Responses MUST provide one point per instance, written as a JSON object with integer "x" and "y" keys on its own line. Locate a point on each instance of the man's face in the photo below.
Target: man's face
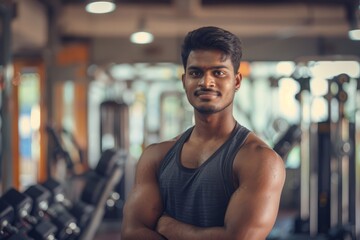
{"x": 209, "y": 81}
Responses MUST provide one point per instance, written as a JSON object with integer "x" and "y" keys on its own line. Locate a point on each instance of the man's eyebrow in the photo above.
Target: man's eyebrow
{"x": 219, "y": 66}
{"x": 193, "y": 68}
{"x": 212, "y": 67}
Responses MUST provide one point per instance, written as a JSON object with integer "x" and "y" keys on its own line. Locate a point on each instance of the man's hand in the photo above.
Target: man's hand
{"x": 163, "y": 224}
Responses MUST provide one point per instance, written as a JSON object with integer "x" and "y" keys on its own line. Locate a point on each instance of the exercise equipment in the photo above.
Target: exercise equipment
{"x": 46, "y": 224}
{"x": 114, "y": 134}
{"x": 302, "y": 221}
{"x": 100, "y": 185}
{"x": 7, "y": 217}
{"x": 108, "y": 161}
{"x": 45, "y": 230}
{"x": 333, "y": 155}
{"x": 80, "y": 210}
{"x": 329, "y": 203}
{"x": 40, "y": 197}
{"x": 44, "y": 212}
{"x": 97, "y": 192}
{"x": 114, "y": 122}
{"x": 24, "y": 225}
{"x": 355, "y": 178}
{"x": 288, "y": 140}
{"x": 22, "y": 205}
{"x": 19, "y": 236}
{"x": 327, "y": 165}
{"x": 76, "y": 146}
{"x": 65, "y": 223}
{"x": 59, "y": 155}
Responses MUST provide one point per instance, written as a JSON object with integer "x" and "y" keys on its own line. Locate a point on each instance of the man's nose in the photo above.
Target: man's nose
{"x": 207, "y": 81}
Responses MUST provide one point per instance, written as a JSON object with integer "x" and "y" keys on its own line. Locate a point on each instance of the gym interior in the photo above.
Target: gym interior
{"x": 80, "y": 101}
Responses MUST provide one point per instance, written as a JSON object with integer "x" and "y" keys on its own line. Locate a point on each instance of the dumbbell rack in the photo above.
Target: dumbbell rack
{"x": 44, "y": 212}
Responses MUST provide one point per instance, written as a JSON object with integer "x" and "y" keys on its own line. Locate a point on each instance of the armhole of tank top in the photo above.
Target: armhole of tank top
{"x": 180, "y": 141}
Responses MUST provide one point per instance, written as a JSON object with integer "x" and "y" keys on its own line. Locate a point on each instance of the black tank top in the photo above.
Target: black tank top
{"x": 199, "y": 196}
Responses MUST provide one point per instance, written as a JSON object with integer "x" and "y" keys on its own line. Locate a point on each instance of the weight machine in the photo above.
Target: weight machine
{"x": 330, "y": 185}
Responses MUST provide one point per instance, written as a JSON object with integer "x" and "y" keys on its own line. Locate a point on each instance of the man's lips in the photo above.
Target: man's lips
{"x": 206, "y": 92}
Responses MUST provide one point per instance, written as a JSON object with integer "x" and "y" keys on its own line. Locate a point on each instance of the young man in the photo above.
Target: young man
{"x": 217, "y": 180}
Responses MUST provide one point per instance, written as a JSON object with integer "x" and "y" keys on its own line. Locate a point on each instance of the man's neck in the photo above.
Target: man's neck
{"x": 212, "y": 127}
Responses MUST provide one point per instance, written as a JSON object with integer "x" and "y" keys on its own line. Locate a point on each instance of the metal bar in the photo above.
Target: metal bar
{"x": 357, "y": 163}
{"x": 6, "y": 176}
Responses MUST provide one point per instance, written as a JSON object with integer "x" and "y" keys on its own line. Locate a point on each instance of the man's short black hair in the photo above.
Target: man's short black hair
{"x": 213, "y": 38}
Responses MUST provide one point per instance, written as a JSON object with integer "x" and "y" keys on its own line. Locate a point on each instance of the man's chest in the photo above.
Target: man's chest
{"x": 194, "y": 155}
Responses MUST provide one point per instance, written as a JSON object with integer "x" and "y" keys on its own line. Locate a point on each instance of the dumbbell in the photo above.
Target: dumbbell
{"x": 18, "y": 236}
{"x": 80, "y": 210}
{"x": 40, "y": 197}
{"x": 43, "y": 230}
{"x": 65, "y": 223}
{"x": 20, "y": 205}
{"x": 6, "y": 219}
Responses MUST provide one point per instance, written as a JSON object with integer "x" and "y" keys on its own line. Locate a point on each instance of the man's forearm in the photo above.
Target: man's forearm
{"x": 176, "y": 230}
{"x": 141, "y": 233}
{"x": 173, "y": 229}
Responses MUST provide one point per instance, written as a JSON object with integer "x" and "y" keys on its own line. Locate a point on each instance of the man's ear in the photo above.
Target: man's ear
{"x": 183, "y": 80}
{"x": 238, "y": 79}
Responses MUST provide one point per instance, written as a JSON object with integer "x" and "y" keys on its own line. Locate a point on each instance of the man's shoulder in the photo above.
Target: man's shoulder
{"x": 161, "y": 147}
{"x": 157, "y": 151}
{"x": 257, "y": 160}
{"x": 256, "y": 152}
{"x": 255, "y": 145}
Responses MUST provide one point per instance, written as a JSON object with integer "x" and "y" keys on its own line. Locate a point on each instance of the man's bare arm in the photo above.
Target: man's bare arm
{"x": 253, "y": 208}
{"x": 144, "y": 206}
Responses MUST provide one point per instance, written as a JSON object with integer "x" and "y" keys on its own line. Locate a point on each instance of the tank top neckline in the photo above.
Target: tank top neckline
{"x": 186, "y": 136}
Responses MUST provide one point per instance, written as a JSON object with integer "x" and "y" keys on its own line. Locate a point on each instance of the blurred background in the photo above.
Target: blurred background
{"x": 85, "y": 88}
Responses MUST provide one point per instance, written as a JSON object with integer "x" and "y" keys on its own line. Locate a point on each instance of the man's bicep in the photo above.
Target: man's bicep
{"x": 250, "y": 211}
{"x": 144, "y": 206}
{"x": 253, "y": 208}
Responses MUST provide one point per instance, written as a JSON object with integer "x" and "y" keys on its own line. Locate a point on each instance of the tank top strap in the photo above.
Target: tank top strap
{"x": 237, "y": 141}
{"x": 172, "y": 152}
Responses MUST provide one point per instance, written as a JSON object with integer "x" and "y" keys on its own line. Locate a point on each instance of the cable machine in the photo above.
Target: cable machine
{"x": 329, "y": 204}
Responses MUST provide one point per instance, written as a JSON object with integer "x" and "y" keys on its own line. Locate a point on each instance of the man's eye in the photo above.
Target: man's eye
{"x": 219, "y": 73}
{"x": 195, "y": 74}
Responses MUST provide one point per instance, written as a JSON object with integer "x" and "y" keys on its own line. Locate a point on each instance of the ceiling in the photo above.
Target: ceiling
{"x": 176, "y": 17}
{"x": 213, "y": 2}
{"x": 170, "y": 20}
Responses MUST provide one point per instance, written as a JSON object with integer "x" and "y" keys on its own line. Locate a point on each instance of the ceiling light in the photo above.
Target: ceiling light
{"x": 353, "y": 18}
{"x": 99, "y": 7}
{"x": 354, "y": 34}
{"x": 141, "y": 36}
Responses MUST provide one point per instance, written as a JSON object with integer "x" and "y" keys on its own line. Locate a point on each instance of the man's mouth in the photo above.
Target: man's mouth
{"x": 206, "y": 92}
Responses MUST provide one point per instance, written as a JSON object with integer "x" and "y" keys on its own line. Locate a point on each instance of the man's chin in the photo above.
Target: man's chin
{"x": 207, "y": 110}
